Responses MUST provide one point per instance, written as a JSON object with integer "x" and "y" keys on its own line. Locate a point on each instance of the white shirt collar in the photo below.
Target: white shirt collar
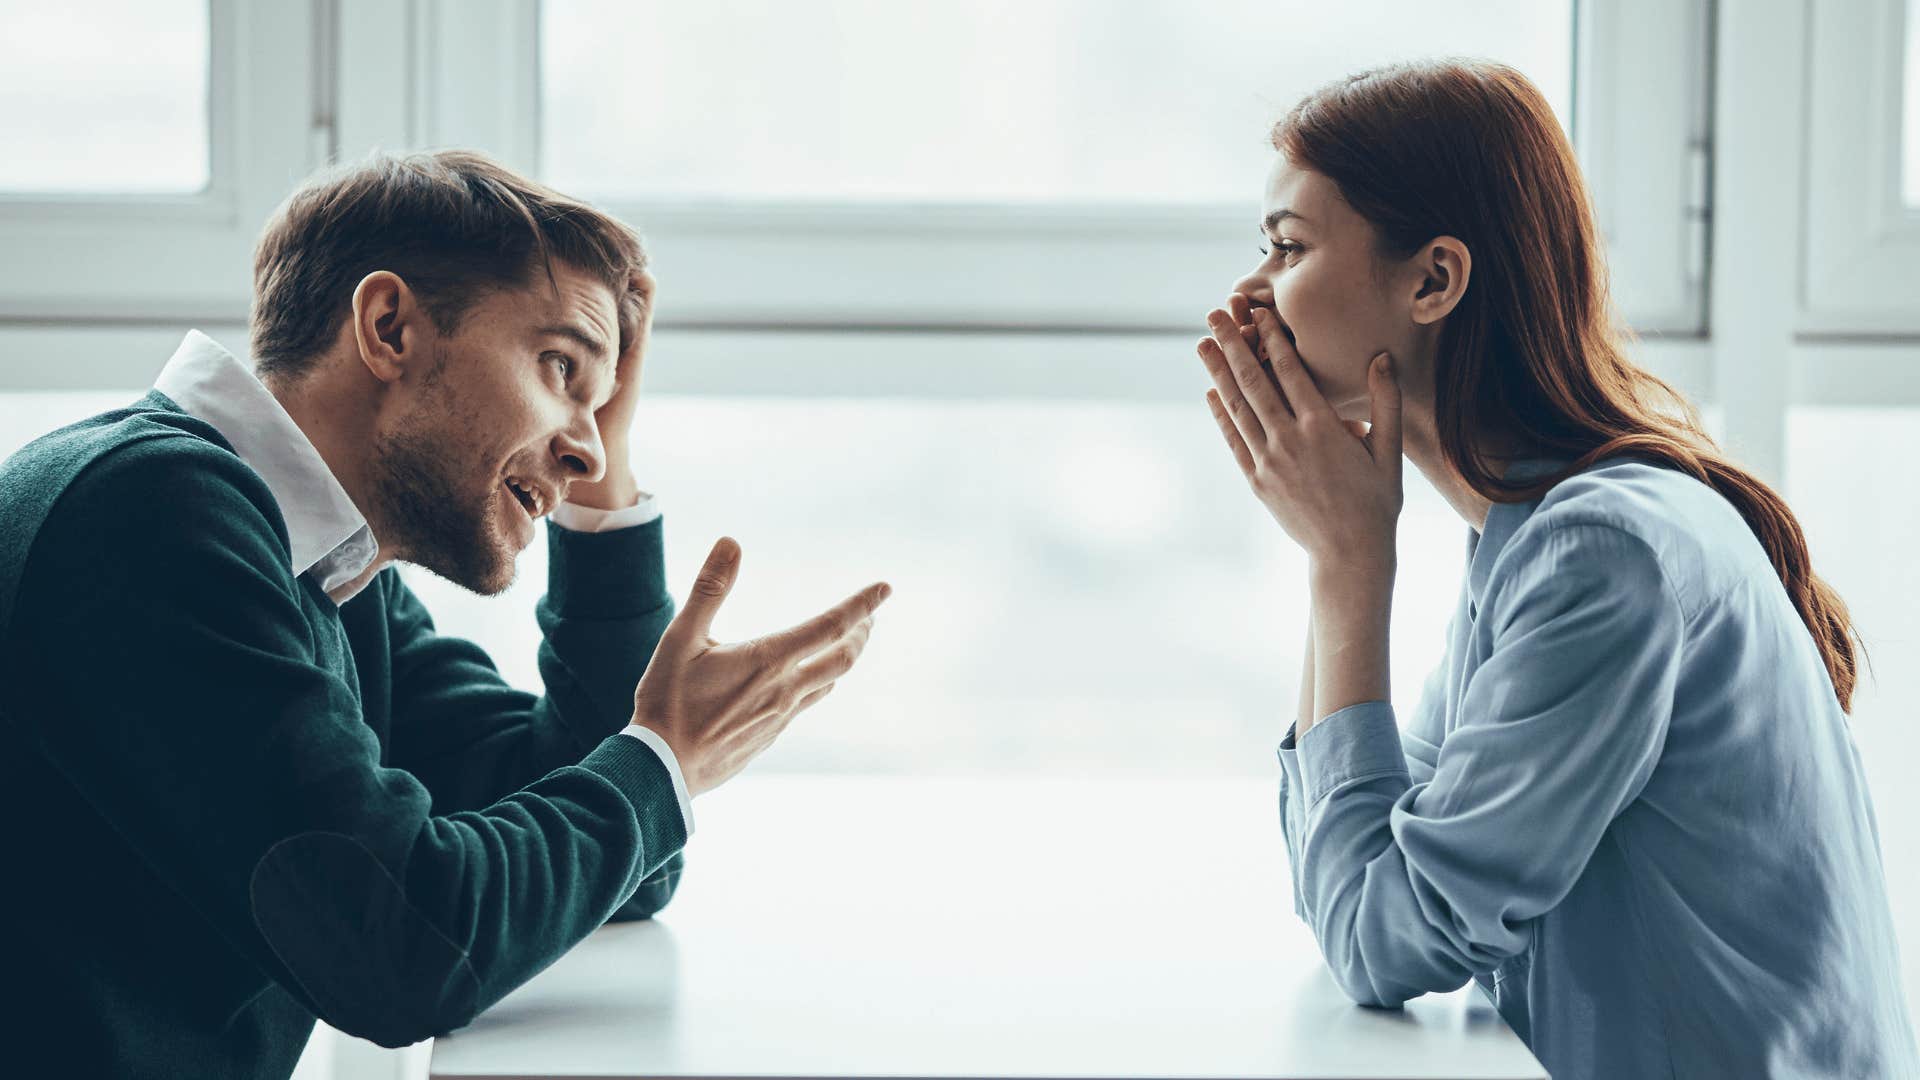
{"x": 329, "y": 535}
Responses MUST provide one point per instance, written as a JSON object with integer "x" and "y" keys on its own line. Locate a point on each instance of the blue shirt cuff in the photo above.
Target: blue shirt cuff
{"x": 1357, "y": 743}
{"x": 1291, "y": 786}
{"x": 1293, "y": 817}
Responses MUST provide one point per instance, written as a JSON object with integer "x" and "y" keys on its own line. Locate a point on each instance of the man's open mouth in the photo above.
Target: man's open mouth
{"x": 531, "y": 498}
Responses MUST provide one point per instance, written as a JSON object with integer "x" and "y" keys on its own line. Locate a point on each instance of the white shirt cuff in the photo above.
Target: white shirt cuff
{"x": 659, "y": 746}
{"x": 591, "y": 519}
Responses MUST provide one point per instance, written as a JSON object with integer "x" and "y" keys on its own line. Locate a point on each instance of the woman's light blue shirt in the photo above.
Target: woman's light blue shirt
{"x": 1629, "y": 806}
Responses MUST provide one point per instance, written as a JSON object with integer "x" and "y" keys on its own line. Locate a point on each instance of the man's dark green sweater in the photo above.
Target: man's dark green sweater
{"x": 237, "y": 807}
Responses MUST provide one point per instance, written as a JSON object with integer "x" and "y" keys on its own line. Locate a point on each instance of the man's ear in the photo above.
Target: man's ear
{"x": 390, "y": 328}
{"x": 1441, "y": 267}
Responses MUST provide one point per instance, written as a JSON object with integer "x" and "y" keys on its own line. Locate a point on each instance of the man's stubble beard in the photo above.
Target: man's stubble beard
{"x": 428, "y": 518}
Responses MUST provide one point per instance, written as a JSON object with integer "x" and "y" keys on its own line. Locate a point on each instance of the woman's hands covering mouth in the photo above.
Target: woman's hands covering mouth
{"x": 1333, "y": 485}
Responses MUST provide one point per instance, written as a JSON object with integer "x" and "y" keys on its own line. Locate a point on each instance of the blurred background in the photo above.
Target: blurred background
{"x": 930, "y": 278}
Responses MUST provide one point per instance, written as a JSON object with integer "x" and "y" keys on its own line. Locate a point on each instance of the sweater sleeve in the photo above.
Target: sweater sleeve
{"x": 1414, "y": 886}
{"x": 182, "y": 684}
{"x": 468, "y": 735}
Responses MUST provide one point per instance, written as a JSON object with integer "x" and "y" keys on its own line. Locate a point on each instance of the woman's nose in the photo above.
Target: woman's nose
{"x": 1256, "y": 289}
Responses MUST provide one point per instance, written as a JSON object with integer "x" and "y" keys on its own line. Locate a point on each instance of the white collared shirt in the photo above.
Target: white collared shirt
{"x": 328, "y": 534}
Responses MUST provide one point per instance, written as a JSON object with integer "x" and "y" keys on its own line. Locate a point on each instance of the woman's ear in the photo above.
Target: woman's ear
{"x": 1441, "y": 267}
{"x": 389, "y": 326}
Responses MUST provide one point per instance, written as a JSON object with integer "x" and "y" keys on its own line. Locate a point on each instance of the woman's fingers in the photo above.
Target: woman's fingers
{"x": 1251, "y": 382}
{"x": 1241, "y": 308}
{"x": 1304, "y": 397}
{"x": 1234, "y": 442}
{"x": 1383, "y": 387}
{"x": 1227, "y": 389}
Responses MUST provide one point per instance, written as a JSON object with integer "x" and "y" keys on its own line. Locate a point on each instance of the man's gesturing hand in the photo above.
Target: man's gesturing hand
{"x": 719, "y": 705}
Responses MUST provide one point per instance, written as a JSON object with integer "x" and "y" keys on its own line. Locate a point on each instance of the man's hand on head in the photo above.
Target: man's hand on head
{"x": 618, "y": 489}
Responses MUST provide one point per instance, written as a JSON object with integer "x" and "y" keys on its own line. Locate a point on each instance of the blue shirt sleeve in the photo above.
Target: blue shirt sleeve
{"x": 1421, "y": 740}
{"x": 1412, "y": 886}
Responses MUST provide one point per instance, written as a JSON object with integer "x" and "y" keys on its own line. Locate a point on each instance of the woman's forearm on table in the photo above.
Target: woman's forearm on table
{"x": 1352, "y": 608}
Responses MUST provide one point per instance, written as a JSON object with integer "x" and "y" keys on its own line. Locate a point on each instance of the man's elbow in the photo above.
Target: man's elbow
{"x": 652, "y": 894}
{"x": 388, "y": 1031}
{"x": 404, "y": 1011}
{"x": 361, "y": 955}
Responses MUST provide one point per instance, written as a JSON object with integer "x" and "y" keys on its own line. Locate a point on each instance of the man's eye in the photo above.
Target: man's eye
{"x": 563, "y": 362}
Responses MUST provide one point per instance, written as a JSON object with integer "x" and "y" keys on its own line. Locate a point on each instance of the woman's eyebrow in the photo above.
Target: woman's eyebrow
{"x": 1275, "y": 217}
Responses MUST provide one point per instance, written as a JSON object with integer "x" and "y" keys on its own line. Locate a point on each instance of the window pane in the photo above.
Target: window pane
{"x": 104, "y": 96}
{"x": 1912, "y": 135}
{"x": 996, "y": 100}
{"x": 1079, "y": 587}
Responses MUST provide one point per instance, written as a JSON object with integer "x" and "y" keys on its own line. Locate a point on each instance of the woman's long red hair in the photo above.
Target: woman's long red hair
{"x": 1471, "y": 149}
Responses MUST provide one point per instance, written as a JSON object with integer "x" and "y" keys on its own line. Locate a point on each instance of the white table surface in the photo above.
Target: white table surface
{"x": 916, "y": 927}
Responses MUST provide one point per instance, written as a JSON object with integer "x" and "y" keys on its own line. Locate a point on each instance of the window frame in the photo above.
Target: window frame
{"x": 1862, "y": 241}
{"x": 295, "y": 85}
{"x": 1643, "y": 129}
{"x": 179, "y": 257}
{"x": 1105, "y": 268}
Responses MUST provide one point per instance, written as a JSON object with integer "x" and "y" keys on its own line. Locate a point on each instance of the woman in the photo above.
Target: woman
{"x": 1628, "y": 804}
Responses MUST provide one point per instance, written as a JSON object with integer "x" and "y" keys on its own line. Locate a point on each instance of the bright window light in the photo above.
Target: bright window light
{"x": 1080, "y": 587}
{"x": 104, "y": 97}
{"x": 989, "y": 101}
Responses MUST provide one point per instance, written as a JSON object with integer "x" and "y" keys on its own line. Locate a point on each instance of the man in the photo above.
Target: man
{"x": 251, "y": 786}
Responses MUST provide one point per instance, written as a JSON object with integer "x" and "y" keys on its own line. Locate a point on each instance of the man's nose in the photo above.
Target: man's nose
{"x": 580, "y": 452}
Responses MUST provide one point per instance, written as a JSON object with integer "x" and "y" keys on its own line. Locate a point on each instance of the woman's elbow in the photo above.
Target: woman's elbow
{"x": 1366, "y": 979}
{"x": 1362, "y": 989}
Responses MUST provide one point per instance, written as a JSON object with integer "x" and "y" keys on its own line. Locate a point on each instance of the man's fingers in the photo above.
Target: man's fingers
{"x": 811, "y": 698}
{"x": 829, "y": 626}
{"x": 829, "y": 665}
{"x": 714, "y": 582}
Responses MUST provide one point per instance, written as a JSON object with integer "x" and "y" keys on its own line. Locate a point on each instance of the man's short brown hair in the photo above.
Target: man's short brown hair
{"x": 453, "y": 225}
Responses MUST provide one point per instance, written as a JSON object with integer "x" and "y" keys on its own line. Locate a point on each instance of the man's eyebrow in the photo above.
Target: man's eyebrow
{"x": 1278, "y": 216}
{"x": 595, "y": 346}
